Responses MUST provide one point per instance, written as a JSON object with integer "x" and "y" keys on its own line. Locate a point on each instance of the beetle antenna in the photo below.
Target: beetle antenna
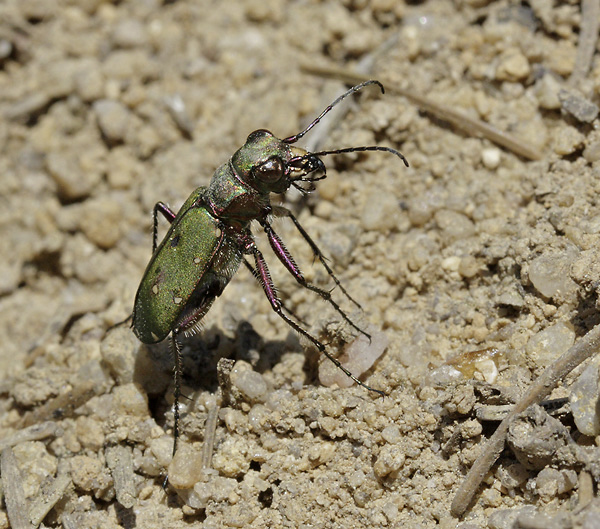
{"x": 361, "y": 149}
{"x": 296, "y": 137}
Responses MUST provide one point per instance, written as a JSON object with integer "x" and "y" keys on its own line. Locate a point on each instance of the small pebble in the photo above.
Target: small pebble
{"x": 584, "y": 398}
{"x": 249, "y": 383}
{"x": 130, "y": 400}
{"x": 567, "y": 140}
{"x": 381, "y": 211}
{"x": 547, "y": 345}
{"x": 118, "y": 349}
{"x": 113, "y": 119}
{"x": 129, "y": 33}
{"x": 73, "y": 183}
{"x": 390, "y": 459}
{"x": 358, "y": 357}
{"x": 549, "y": 273}
{"x": 455, "y": 226}
{"x": 162, "y": 449}
{"x": 513, "y": 66}
{"x": 546, "y": 91}
{"x": 89, "y": 82}
{"x": 185, "y": 469}
{"x": 6, "y": 48}
{"x": 391, "y": 434}
{"x": 217, "y": 489}
{"x": 100, "y": 221}
{"x": 580, "y": 108}
{"x": 491, "y": 158}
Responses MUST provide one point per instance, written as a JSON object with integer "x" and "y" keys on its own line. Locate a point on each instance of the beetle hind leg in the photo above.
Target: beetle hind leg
{"x": 263, "y": 275}
{"x": 177, "y": 374}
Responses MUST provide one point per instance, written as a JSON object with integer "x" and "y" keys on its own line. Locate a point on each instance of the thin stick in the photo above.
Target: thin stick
{"x": 17, "y": 506}
{"x": 588, "y": 36}
{"x": 586, "y": 347}
{"x": 49, "y": 497}
{"x": 210, "y": 429}
{"x": 471, "y": 126}
{"x": 62, "y": 406}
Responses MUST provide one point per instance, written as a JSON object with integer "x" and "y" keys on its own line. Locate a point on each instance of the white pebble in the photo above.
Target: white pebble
{"x": 491, "y": 158}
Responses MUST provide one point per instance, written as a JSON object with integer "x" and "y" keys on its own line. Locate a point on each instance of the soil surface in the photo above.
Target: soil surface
{"x": 478, "y": 265}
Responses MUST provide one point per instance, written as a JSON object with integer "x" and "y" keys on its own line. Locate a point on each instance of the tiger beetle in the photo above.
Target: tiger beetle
{"x": 210, "y": 237}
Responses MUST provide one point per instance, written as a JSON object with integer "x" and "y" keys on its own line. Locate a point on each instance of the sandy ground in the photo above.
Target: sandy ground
{"x": 108, "y": 108}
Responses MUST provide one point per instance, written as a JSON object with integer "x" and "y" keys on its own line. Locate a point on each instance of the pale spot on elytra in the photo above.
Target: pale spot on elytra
{"x": 177, "y": 301}
{"x": 197, "y": 260}
{"x": 155, "y": 289}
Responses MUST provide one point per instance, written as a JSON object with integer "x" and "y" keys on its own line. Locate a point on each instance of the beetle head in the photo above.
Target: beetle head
{"x": 271, "y": 165}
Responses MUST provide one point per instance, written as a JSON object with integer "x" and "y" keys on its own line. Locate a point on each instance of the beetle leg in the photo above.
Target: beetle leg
{"x": 177, "y": 371}
{"x": 289, "y": 311}
{"x": 160, "y": 207}
{"x": 280, "y": 211}
{"x": 287, "y": 260}
{"x": 264, "y": 276}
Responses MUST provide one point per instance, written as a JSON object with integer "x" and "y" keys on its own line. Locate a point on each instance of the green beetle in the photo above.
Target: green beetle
{"x": 210, "y": 237}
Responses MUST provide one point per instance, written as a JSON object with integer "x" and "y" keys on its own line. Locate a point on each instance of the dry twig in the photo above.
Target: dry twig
{"x": 471, "y": 126}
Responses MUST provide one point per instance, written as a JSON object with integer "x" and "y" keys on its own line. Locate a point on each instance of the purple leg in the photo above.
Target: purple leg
{"x": 290, "y": 312}
{"x": 160, "y": 207}
{"x": 280, "y": 211}
{"x": 287, "y": 260}
{"x": 263, "y": 275}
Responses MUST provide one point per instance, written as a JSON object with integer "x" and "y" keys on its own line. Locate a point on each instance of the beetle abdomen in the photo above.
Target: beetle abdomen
{"x": 176, "y": 270}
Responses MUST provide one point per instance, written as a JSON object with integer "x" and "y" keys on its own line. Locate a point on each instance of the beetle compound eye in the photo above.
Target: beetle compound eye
{"x": 270, "y": 171}
{"x": 257, "y": 134}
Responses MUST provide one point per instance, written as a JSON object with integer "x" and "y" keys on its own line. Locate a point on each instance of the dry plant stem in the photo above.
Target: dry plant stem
{"x": 42, "y": 505}
{"x": 588, "y": 36}
{"x": 471, "y": 126}
{"x": 31, "y": 433}
{"x": 210, "y": 428}
{"x": 120, "y": 461}
{"x": 17, "y": 507}
{"x": 62, "y": 406}
{"x": 541, "y": 388}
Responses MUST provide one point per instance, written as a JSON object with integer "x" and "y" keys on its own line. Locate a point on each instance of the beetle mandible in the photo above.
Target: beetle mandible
{"x": 210, "y": 237}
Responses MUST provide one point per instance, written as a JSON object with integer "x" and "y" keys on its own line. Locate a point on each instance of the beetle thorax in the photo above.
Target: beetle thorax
{"x": 228, "y": 197}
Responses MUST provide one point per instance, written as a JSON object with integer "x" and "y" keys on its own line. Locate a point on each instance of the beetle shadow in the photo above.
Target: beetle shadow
{"x": 201, "y": 353}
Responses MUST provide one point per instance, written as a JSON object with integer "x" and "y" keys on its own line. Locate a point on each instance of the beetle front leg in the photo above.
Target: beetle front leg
{"x": 264, "y": 276}
{"x": 287, "y": 260}
{"x": 280, "y": 211}
{"x": 167, "y": 213}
